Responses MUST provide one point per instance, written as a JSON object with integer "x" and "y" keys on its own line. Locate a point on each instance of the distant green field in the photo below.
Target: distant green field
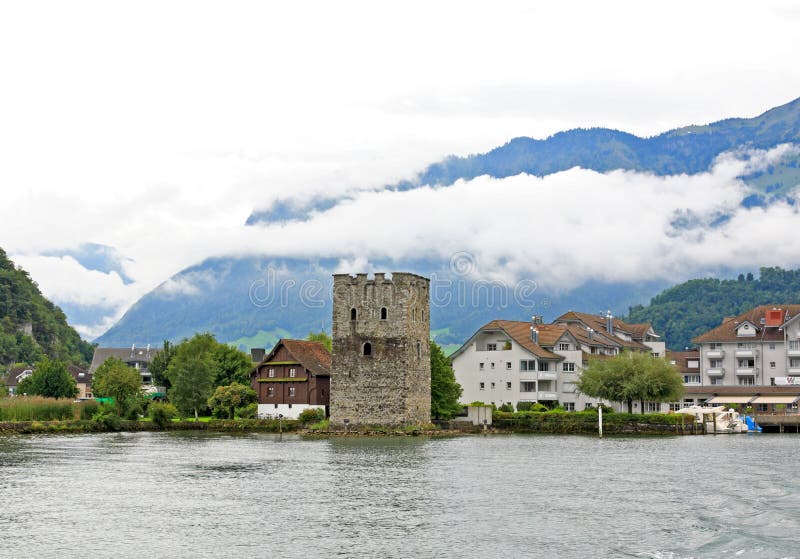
{"x": 261, "y": 339}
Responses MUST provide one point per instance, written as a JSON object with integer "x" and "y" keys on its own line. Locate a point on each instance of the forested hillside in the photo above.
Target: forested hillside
{"x": 30, "y": 325}
{"x": 684, "y": 311}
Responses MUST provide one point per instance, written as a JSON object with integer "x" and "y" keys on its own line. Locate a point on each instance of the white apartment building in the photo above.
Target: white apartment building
{"x": 508, "y": 362}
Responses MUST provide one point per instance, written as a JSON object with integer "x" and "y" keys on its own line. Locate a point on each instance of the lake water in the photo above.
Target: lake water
{"x": 209, "y": 495}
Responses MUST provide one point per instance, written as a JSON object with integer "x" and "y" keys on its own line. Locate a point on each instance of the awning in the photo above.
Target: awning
{"x": 730, "y": 399}
{"x": 776, "y": 399}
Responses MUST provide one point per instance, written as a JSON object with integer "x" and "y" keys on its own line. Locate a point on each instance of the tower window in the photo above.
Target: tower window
{"x": 353, "y": 314}
{"x": 384, "y": 313}
{"x": 419, "y": 350}
{"x": 367, "y": 348}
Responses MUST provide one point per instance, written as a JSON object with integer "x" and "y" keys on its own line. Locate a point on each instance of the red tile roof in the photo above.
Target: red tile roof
{"x": 726, "y": 332}
{"x": 520, "y": 332}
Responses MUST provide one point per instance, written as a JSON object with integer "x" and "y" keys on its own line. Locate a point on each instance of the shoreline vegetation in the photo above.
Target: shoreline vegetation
{"x": 45, "y": 415}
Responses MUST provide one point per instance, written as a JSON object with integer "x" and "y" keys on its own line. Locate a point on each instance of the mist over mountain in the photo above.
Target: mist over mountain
{"x": 595, "y": 219}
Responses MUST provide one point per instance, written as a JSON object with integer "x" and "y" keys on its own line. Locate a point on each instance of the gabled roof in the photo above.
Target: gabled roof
{"x": 124, "y": 353}
{"x": 12, "y": 379}
{"x": 598, "y": 324}
{"x": 726, "y": 332}
{"x": 518, "y": 331}
{"x": 314, "y": 356}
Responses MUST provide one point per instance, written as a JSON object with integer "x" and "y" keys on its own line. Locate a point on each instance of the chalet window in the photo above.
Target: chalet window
{"x": 292, "y": 372}
{"x": 568, "y": 367}
{"x": 367, "y": 348}
{"x": 384, "y": 313}
{"x": 271, "y": 373}
{"x": 491, "y": 347}
{"x": 270, "y": 391}
{"x": 563, "y": 347}
{"x": 772, "y": 346}
{"x": 353, "y": 314}
{"x": 291, "y": 391}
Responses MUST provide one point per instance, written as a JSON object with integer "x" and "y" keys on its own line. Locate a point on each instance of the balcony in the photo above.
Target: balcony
{"x": 794, "y": 349}
{"x": 715, "y": 353}
{"x": 749, "y": 372}
{"x": 793, "y": 371}
{"x": 746, "y": 352}
{"x": 546, "y": 396}
{"x": 719, "y": 372}
{"x": 546, "y": 375}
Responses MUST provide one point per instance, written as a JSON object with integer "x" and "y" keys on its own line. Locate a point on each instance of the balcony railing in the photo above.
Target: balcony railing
{"x": 715, "y": 353}
{"x": 719, "y": 372}
{"x": 547, "y": 396}
{"x": 746, "y": 352}
{"x": 747, "y": 371}
{"x": 547, "y": 375}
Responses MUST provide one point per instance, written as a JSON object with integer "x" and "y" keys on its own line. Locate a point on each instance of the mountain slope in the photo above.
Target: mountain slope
{"x": 687, "y": 310}
{"x": 30, "y": 325}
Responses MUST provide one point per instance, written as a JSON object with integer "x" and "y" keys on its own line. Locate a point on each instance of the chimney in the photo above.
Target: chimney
{"x": 534, "y": 334}
{"x": 591, "y": 333}
{"x": 609, "y": 323}
{"x": 537, "y": 319}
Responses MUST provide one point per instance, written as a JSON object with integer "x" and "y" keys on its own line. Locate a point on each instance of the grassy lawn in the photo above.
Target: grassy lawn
{"x": 202, "y": 418}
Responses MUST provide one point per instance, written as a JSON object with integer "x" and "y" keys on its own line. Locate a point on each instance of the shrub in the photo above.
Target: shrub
{"x": 311, "y": 414}
{"x": 508, "y": 408}
{"x": 162, "y": 414}
{"x": 250, "y": 411}
{"x": 108, "y": 419}
{"x": 87, "y": 409}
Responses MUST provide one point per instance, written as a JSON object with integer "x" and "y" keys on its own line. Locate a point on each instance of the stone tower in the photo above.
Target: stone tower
{"x": 381, "y": 368}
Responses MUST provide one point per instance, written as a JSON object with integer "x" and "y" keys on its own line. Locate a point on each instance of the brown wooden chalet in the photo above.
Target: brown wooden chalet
{"x": 293, "y": 376}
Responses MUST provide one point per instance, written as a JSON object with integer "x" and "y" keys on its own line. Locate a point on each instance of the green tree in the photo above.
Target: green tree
{"x": 114, "y": 379}
{"x": 445, "y": 391}
{"x": 230, "y": 366}
{"x": 50, "y": 379}
{"x": 160, "y": 365}
{"x": 226, "y": 399}
{"x": 322, "y": 338}
{"x": 631, "y": 376}
{"x": 191, "y": 372}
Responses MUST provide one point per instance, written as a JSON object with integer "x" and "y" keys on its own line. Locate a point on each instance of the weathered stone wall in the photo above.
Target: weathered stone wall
{"x": 392, "y": 385}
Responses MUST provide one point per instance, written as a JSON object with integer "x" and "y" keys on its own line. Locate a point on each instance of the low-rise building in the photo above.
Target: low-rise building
{"x": 508, "y": 362}
{"x": 83, "y": 379}
{"x": 137, "y": 357}
{"x": 751, "y": 359}
{"x": 293, "y": 377}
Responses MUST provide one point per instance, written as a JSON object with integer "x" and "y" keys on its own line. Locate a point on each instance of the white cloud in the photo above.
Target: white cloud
{"x": 157, "y": 129}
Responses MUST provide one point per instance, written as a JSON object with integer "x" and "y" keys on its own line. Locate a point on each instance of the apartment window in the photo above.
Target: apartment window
{"x": 568, "y": 367}
{"x": 291, "y": 391}
{"x": 772, "y": 346}
{"x": 544, "y": 366}
{"x": 794, "y": 345}
{"x": 271, "y": 373}
{"x": 746, "y": 363}
{"x": 527, "y": 386}
{"x": 717, "y": 381}
{"x": 480, "y": 366}
{"x": 693, "y": 364}
{"x": 492, "y": 386}
{"x": 482, "y": 385}
{"x": 715, "y": 363}
{"x": 761, "y": 407}
{"x": 691, "y": 379}
{"x": 292, "y": 372}
{"x": 746, "y": 345}
{"x": 491, "y": 365}
{"x": 508, "y": 386}
{"x": 563, "y": 347}
{"x": 527, "y": 365}
{"x": 794, "y": 362}
{"x": 747, "y": 381}
{"x": 491, "y": 347}
{"x": 568, "y": 387}
{"x": 714, "y": 347}
{"x": 569, "y": 406}
{"x": 271, "y": 391}
{"x": 772, "y": 364}
{"x": 508, "y": 365}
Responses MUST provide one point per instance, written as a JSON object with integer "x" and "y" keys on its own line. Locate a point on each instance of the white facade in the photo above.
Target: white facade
{"x": 288, "y": 411}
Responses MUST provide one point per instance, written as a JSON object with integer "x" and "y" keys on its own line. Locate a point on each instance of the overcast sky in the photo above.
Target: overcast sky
{"x": 156, "y": 128}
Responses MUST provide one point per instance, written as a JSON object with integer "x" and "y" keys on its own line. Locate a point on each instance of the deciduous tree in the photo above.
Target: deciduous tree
{"x": 445, "y": 391}
{"x": 50, "y": 379}
{"x": 115, "y": 379}
{"x": 226, "y": 399}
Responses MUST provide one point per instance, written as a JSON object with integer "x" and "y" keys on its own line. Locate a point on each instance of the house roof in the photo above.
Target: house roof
{"x": 124, "y": 353}
{"x": 598, "y": 324}
{"x": 314, "y": 356}
{"x": 681, "y": 359}
{"x": 726, "y": 332}
{"x": 74, "y": 370}
{"x": 520, "y": 332}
